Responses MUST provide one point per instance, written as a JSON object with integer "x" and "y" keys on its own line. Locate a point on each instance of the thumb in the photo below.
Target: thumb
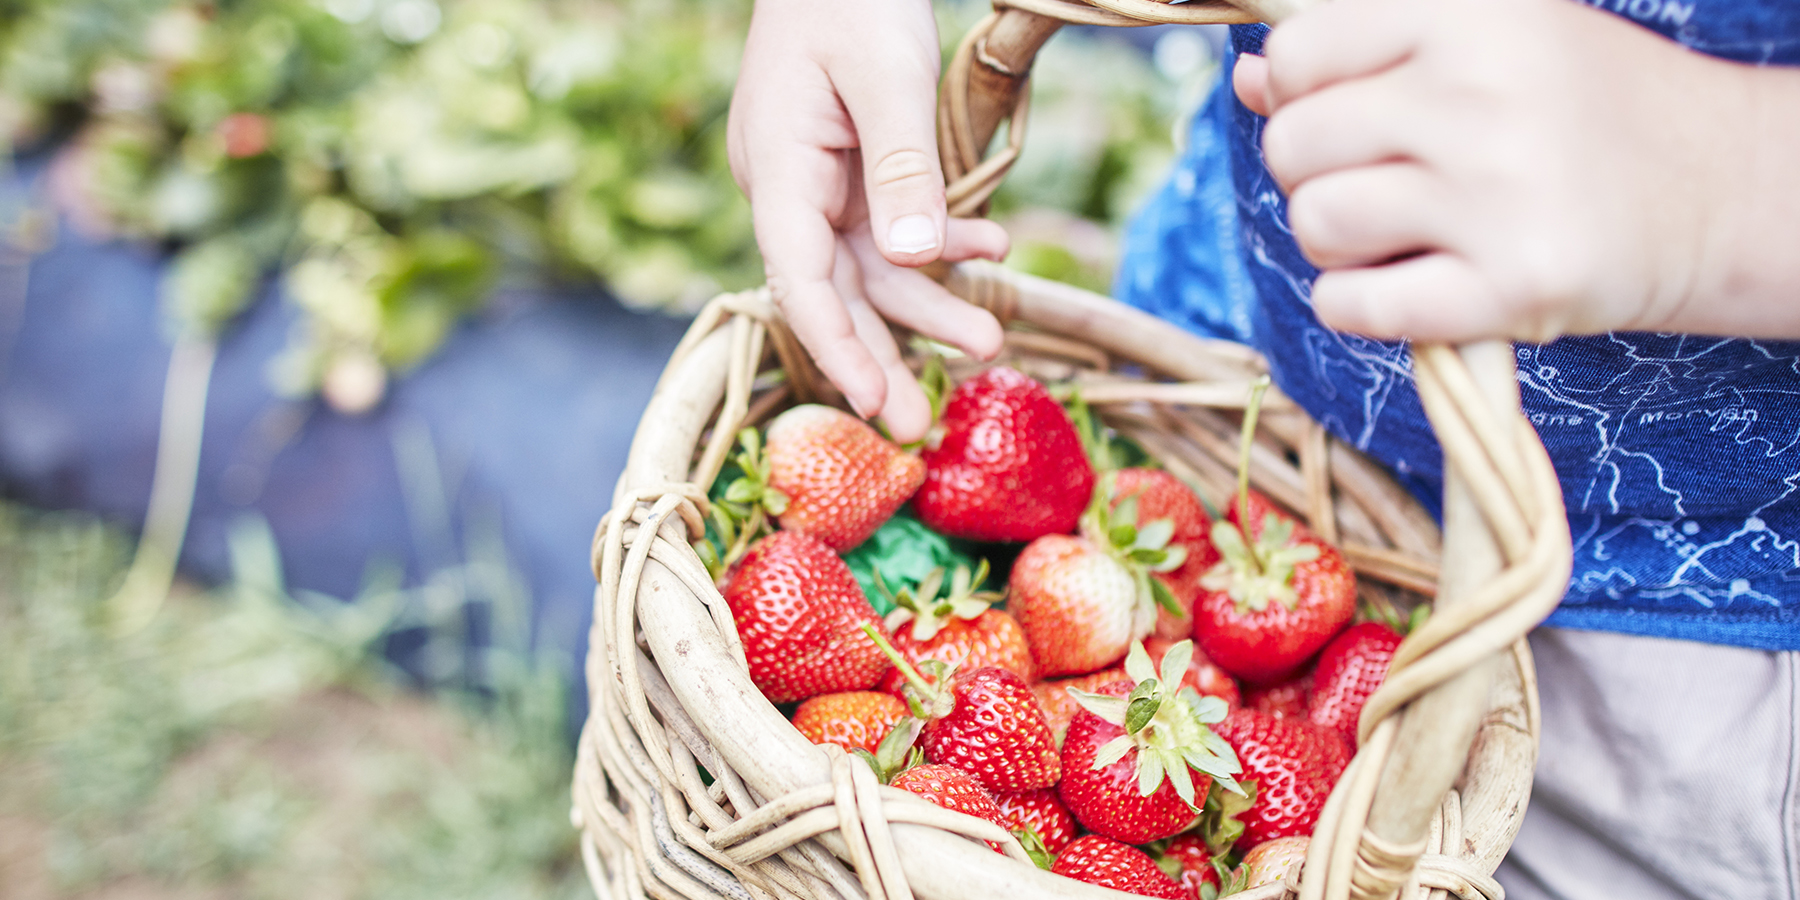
{"x": 895, "y": 113}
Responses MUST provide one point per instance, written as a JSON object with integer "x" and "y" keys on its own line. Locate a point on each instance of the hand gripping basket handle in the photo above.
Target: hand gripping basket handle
{"x": 1506, "y": 554}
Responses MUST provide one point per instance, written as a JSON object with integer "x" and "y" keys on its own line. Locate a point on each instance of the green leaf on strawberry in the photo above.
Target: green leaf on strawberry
{"x": 906, "y": 553}
{"x": 1167, "y": 728}
{"x": 927, "y": 611}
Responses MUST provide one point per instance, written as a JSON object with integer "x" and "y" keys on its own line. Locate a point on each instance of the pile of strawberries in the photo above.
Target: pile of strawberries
{"x": 1162, "y": 705}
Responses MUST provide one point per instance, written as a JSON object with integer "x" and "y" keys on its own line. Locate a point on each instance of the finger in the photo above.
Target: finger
{"x": 909, "y": 298}
{"x": 1355, "y": 123}
{"x": 1435, "y": 297}
{"x": 1367, "y": 215}
{"x": 1250, "y": 79}
{"x": 975, "y": 238}
{"x": 905, "y": 410}
{"x": 799, "y": 250}
{"x": 893, "y": 103}
{"x": 1338, "y": 41}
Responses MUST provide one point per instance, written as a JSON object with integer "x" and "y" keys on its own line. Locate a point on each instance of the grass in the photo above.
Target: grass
{"x": 251, "y": 743}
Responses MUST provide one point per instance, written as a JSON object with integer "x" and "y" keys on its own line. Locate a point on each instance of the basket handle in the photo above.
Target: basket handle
{"x": 1506, "y": 542}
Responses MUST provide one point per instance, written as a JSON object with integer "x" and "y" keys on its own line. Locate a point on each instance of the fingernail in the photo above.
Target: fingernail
{"x": 912, "y": 234}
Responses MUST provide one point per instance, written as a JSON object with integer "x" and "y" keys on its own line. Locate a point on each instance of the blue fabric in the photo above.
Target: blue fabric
{"x": 1679, "y": 455}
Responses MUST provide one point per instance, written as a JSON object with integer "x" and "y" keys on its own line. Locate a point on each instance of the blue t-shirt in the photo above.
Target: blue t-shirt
{"x": 1679, "y": 455}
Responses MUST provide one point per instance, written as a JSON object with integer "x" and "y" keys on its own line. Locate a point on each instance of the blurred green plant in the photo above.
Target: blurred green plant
{"x": 394, "y": 159}
{"x": 251, "y": 740}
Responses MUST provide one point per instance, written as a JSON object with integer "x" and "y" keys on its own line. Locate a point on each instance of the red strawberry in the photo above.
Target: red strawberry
{"x": 799, "y": 613}
{"x": 1350, "y": 668}
{"x": 984, "y": 721}
{"x": 1108, "y": 863}
{"x": 1004, "y": 463}
{"x": 1060, "y": 707}
{"x": 1283, "y": 699}
{"x": 1294, "y": 764}
{"x": 841, "y": 478}
{"x": 849, "y": 719}
{"x": 1080, "y": 608}
{"x": 1188, "y": 855}
{"x": 960, "y": 629}
{"x": 1139, "y": 759}
{"x": 1040, "y": 812}
{"x": 951, "y": 788}
{"x": 1205, "y": 678}
{"x": 1269, "y": 861}
{"x": 1161, "y": 495}
{"x": 1272, "y": 602}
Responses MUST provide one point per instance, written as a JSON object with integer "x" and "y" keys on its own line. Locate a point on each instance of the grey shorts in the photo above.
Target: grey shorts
{"x": 1669, "y": 769}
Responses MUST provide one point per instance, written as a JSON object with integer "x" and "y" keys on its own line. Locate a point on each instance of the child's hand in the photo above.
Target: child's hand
{"x": 1467, "y": 169}
{"x": 831, "y": 137}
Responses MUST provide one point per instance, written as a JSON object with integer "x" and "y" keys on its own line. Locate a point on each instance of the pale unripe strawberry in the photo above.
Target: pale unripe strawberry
{"x": 1078, "y": 605}
{"x": 841, "y": 479}
{"x": 1269, "y": 861}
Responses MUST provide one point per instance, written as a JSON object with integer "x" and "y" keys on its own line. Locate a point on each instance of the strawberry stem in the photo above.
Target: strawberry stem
{"x": 1251, "y": 411}
{"x": 906, "y": 670}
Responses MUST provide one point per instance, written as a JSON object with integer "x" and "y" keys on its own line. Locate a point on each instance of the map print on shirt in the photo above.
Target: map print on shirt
{"x": 1679, "y": 456}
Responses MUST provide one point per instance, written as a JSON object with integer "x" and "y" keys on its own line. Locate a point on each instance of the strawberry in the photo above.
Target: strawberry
{"x": 1269, "y": 862}
{"x": 1283, "y": 699}
{"x": 1108, "y": 863}
{"x": 799, "y": 613}
{"x": 952, "y": 789}
{"x": 1039, "y": 812}
{"x": 1350, "y": 668}
{"x": 1160, "y": 495}
{"x": 984, "y": 721}
{"x": 1188, "y": 861}
{"x": 1060, "y": 706}
{"x": 849, "y": 719}
{"x": 1206, "y": 679}
{"x": 1138, "y": 758}
{"x": 1294, "y": 764}
{"x": 961, "y": 629}
{"x": 1004, "y": 463}
{"x": 1079, "y": 607}
{"x": 1271, "y": 603}
{"x": 841, "y": 478}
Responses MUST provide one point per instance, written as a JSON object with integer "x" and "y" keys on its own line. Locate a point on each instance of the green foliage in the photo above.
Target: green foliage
{"x": 252, "y": 741}
{"x": 394, "y": 158}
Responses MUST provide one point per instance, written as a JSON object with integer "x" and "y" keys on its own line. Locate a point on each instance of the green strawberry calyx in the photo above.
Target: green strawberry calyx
{"x": 895, "y": 753}
{"x": 1166, "y": 723}
{"x": 1143, "y": 548}
{"x": 1219, "y": 825}
{"x": 1257, "y": 572}
{"x": 742, "y": 514}
{"x": 929, "y": 612}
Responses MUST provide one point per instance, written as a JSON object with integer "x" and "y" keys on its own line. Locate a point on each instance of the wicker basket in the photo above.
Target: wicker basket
{"x": 690, "y": 784}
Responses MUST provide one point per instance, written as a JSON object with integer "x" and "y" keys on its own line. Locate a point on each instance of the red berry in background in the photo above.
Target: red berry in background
{"x": 1138, "y": 759}
{"x": 1294, "y": 764}
{"x": 1161, "y": 495}
{"x": 799, "y": 613}
{"x": 1350, "y": 668}
{"x": 1060, "y": 707}
{"x": 951, "y": 788}
{"x": 1283, "y": 699}
{"x": 993, "y": 730}
{"x": 1187, "y": 853}
{"x": 1041, "y": 812}
{"x": 1079, "y": 607}
{"x": 1004, "y": 463}
{"x": 1109, "y": 863}
{"x": 1272, "y": 601}
{"x": 960, "y": 628}
{"x": 842, "y": 479}
{"x": 849, "y": 719}
{"x": 245, "y": 134}
{"x": 1202, "y": 675}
